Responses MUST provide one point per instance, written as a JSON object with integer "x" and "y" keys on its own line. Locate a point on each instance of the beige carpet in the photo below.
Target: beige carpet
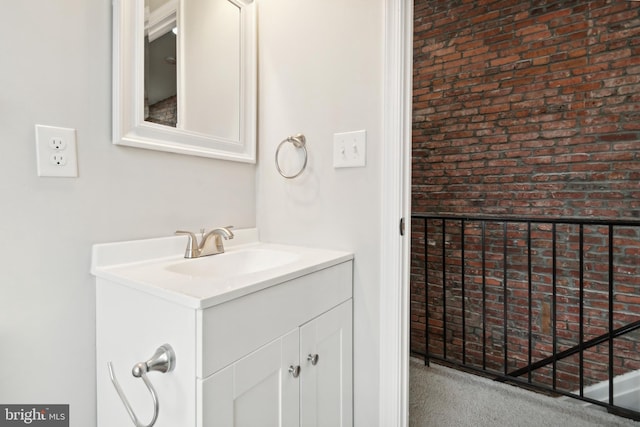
{"x": 442, "y": 397}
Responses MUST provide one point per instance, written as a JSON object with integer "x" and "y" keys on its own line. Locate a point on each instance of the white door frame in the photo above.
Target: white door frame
{"x": 396, "y": 204}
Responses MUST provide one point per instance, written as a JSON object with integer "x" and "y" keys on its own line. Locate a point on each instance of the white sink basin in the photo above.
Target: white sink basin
{"x": 236, "y": 263}
{"x": 157, "y": 266}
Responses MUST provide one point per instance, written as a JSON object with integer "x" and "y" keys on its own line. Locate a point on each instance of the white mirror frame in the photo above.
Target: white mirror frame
{"x": 129, "y": 127}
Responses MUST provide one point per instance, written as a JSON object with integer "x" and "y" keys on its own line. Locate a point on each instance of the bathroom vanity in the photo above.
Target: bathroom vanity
{"x": 262, "y": 333}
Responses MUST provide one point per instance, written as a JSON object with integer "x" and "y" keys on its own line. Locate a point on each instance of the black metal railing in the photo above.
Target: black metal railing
{"x": 555, "y": 300}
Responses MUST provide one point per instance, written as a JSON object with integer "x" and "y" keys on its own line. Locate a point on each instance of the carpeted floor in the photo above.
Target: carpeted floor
{"x": 442, "y": 397}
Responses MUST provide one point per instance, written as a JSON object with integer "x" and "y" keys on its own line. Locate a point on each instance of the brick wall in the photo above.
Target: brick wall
{"x": 527, "y": 108}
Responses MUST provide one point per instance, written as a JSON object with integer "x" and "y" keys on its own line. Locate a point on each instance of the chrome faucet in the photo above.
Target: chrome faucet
{"x": 210, "y": 244}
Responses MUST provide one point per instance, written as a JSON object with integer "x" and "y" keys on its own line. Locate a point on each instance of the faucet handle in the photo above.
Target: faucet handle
{"x": 192, "y": 244}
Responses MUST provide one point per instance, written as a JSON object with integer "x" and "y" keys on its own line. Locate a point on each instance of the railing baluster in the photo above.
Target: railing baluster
{"x": 426, "y": 292}
{"x": 554, "y": 279}
{"x": 464, "y": 324}
{"x": 484, "y": 297}
{"x": 581, "y": 311}
{"x": 529, "y": 269}
{"x": 611, "y": 402}
{"x": 444, "y": 288}
{"x": 504, "y": 294}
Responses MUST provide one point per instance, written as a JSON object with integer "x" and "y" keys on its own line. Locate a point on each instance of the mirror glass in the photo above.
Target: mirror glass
{"x": 160, "y": 77}
{"x": 184, "y": 76}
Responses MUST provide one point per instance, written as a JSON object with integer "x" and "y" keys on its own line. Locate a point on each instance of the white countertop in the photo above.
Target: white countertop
{"x": 142, "y": 265}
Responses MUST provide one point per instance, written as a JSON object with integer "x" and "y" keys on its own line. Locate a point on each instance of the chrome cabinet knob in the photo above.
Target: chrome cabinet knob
{"x": 313, "y": 358}
{"x": 294, "y": 371}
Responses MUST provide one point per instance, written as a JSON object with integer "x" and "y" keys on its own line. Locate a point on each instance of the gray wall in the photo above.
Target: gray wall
{"x": 321, "y": 66}
{"x": 56, "y": 70}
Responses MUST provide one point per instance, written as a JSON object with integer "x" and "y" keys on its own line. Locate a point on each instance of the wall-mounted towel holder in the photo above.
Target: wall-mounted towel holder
{"x": 163, "y": 360}
{"x": 298, "y": 141}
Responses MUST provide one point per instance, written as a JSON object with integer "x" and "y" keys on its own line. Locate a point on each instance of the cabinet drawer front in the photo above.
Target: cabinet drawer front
{"x": 231, "y": 330}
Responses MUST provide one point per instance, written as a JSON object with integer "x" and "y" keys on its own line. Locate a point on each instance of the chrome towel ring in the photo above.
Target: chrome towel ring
{"x": 163, "y": 360}
{"x": 298, "y": 141}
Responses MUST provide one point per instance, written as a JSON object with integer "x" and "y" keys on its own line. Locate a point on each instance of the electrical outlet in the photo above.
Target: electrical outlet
{"x": 57, "y": 143}
{"x": 56, "y": 151}
{"x": 349, "y": 149}
{"x": 58, "y": 159}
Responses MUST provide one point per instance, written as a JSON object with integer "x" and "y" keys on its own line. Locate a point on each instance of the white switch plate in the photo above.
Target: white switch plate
{"x": 56, "y": 151}
{"x": 349, "y": 149}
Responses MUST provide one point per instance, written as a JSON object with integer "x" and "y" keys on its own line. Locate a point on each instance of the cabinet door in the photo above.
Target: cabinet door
{"x": 255, "y": 391}
{"x": 326, "y": 386}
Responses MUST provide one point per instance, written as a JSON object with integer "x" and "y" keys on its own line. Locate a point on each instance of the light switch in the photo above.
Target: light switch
{"x": 349, "y": 149}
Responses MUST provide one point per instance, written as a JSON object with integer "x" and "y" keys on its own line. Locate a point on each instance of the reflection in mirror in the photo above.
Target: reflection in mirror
{"x": 160, "y": 100}
{"x": 209, "y": 55}
{"x": 185, "y": 76}
{"x": 209, "y": 96}
{"x": 160, "y": 53}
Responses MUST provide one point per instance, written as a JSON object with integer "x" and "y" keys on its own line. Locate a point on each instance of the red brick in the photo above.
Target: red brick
{"x": 553, "y": 15}
{"x": 529, "y": 29}
{"x": 485, "y": 87}
{"x": 620, "y": 137}
{"x": 567, "y": 65}
{"x": 572, "y": 28}
{"x": 504, "y": 60}
{"x": 611, "y": 56}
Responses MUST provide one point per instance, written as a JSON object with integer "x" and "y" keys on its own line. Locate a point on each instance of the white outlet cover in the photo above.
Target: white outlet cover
{"x": 350, "y": 149}
{"x": 52, "y": 145}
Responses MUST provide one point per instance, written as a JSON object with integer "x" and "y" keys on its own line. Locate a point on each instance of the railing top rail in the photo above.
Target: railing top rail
{"x": 585, "y": 221}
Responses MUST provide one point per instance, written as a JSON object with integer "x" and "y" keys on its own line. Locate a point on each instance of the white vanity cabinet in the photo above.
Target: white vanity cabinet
{"x": 303, "y": 378}
{"x": 277, "y": 352}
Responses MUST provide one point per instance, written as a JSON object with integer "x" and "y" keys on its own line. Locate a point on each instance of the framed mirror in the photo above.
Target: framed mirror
{"x": 184, "y": 77}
